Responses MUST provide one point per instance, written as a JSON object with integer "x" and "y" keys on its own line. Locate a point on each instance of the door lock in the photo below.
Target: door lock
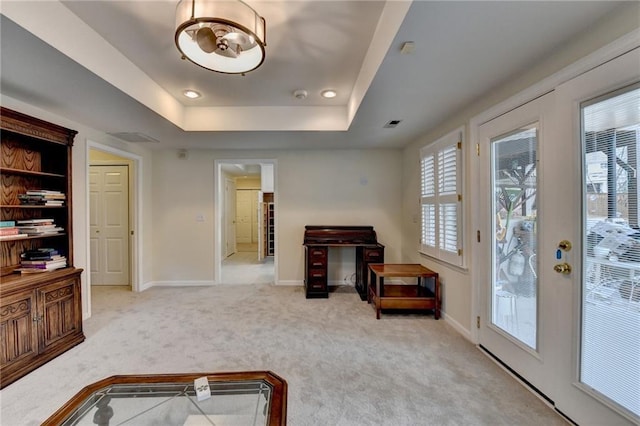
{"x": 564, "y": 245}
{"x": 562, "y": 268}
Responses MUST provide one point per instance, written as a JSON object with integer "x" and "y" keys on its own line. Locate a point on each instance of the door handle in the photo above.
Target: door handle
{"x": 562, "y": 268}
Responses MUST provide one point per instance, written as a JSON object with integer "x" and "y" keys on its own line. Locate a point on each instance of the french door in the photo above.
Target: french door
{"x": 560, "y": 175}
{"x": 519, "y": 289}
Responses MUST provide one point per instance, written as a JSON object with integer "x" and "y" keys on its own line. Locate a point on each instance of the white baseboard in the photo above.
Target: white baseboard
{"x": 298, "y": 283}
{"x": 466, "y": 333}
{"x": 150, "y": 284}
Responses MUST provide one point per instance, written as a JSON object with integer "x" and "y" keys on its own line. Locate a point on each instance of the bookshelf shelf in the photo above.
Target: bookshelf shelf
{"x": 34, "y": 237}
{"x": 8, "y": 170}
{"x": 26, "y": 206}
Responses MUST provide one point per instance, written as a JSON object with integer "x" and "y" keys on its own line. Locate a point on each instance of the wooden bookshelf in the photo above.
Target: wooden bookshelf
{"x": 40, "y": 314}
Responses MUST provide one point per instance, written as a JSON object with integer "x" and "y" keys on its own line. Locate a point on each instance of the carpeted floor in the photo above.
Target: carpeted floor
{"x": 244, "y": 267}
{"x": 343, "y": 366}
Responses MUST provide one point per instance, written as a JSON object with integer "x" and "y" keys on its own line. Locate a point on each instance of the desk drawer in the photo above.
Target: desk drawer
{"x": 317, "y": 253}
{"x": 316, "y": 286}
{"x": 317, "y": 274}
{"x": 374, "y": 255}
{"x": 317, "y": 263}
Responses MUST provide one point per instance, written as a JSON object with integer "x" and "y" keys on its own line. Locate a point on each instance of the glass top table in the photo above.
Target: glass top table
{"x": 237, "y": 399}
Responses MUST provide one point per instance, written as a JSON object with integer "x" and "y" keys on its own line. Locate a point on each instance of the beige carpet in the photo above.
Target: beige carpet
{"x": 342, "y": 365}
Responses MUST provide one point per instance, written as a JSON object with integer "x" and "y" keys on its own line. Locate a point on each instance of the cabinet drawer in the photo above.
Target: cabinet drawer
{"x": 317, "y": 253}
{"x": 374, "y": 255}
{"x": 317, "y": 274}
{"x": 317, "y": 263}
{"x": 316, "y": 285}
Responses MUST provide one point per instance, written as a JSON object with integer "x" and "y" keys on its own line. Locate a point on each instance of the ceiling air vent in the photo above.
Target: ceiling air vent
{"x": 391, "y": 124}
{"x": 134, "y": 137}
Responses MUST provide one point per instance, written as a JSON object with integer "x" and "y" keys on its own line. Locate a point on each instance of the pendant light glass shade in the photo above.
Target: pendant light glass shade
{"x": 225, "y": 36}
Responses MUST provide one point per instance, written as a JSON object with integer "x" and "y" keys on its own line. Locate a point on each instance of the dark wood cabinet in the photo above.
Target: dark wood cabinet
{"x": 40, "y": 313}
{"x": 40, "y": 318}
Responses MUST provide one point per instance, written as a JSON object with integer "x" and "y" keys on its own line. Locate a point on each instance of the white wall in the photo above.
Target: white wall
{"x": 346, "y": 187}
{"x": 458, "y": 283}
{"x": 79, "y": 182}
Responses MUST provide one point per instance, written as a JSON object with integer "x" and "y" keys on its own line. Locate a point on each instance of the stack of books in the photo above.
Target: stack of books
{"x": 41, "y": 260}
{"x": 42, "y": 197}
{"x": 38, "y": 227}
{"x": 9, "y": 231}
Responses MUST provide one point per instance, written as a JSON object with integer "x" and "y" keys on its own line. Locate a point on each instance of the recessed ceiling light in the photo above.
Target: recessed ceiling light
{"x": 191, "y": 94}
{"x": 328, "y": 94}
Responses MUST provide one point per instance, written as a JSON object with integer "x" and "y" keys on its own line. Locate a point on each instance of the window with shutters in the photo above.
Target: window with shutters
{"x": 441, "y": 199}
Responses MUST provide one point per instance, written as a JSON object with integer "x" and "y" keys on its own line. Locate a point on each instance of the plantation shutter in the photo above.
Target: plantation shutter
{"x": 428, "y": 201}
{"x": 441, "y": 178}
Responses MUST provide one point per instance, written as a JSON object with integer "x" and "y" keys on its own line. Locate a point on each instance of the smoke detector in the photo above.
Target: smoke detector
{"x": 300, "y": 94}
{"x": 407, "y": 47}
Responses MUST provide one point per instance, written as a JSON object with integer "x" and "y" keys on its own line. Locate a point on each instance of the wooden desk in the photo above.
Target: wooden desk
{"x": 404, "y": 296}
{"x": 318, "y": 239}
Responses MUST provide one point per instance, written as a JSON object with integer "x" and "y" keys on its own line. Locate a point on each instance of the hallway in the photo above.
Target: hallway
{"x": 243, "y": 267}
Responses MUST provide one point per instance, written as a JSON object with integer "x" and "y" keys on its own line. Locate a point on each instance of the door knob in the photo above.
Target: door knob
{"x": 562, "y": 268}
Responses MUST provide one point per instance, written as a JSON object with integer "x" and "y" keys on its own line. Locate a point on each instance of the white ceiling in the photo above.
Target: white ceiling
{"x": 113, "y": 65}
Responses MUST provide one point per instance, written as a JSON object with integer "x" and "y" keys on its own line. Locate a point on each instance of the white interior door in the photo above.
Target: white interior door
{"x": 109, "y": 224}
{"x": 553, "y": 308}
{"x": 230, "y": 217}
{"x": 244, "y": 216}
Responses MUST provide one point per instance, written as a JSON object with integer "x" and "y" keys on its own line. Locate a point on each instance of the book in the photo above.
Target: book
{"x": 43, "y": 192}
{"x": 12, "y": 237}
{"x": 41, "y": 200}
{"x": 9, "y": 231}
{"x": 49, "y": 266}
{"x": 7, "y": 223}
{"x": 39, "y": 254}
{"x": 38, "y": 270}
{"x": 32, "y": 221}
{"x": 53, "y": 259}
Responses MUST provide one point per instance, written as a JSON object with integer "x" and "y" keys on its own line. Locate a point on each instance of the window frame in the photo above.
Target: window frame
{"x": 430, "y": 195}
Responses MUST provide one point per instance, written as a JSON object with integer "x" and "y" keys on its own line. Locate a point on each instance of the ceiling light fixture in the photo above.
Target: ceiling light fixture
{"x": 328, "y": 94}
{"x": 191, "y": 94}
{"x": 222, "y": 36}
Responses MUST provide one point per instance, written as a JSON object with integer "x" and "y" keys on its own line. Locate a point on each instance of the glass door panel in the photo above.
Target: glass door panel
{"x": 514, "y": 273}
{"x": 610, "y": 340}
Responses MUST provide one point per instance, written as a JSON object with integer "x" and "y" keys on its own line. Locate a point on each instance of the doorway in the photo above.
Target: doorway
{"x": 242, "y": 205}
{"x": 554, "y": 309}
{"x": 112, "y": 179}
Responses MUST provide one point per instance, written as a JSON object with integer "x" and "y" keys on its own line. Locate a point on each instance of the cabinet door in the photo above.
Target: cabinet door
{"x": 61, "y": 312}
{"x": 18, "y": 328}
